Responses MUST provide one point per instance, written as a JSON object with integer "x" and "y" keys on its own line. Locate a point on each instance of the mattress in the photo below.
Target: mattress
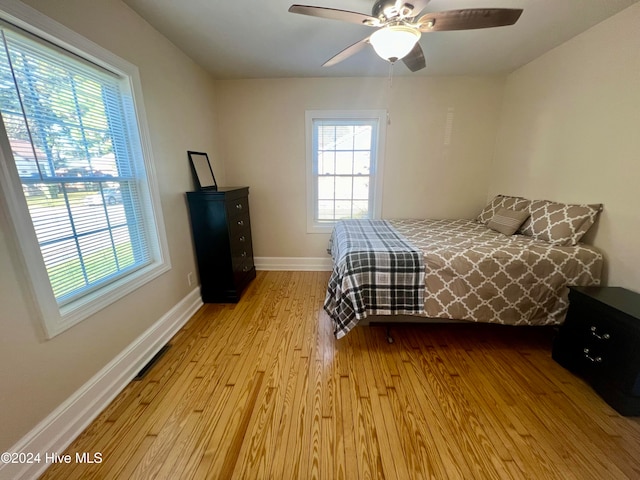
{"x": 477, "y": 274}
{"x": 471, "y": 273}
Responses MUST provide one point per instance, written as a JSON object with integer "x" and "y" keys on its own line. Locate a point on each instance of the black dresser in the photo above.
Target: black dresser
{"x": 600, "y": 341}
{"x": 222, "y": 235}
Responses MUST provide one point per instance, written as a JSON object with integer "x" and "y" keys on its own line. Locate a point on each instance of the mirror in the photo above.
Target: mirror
{"x": 202, "y": 171}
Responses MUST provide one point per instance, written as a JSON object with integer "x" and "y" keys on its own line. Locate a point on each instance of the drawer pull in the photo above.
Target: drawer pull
{"x": 241, "y": 222}
{"x": 239, "y": 206}
{"x": 242, "y": 239}
{"x": 590, "y": 358}
{"x": 243, "y": 254}
{"x": 604, "y": 336}
{"x": 246, "y": 269}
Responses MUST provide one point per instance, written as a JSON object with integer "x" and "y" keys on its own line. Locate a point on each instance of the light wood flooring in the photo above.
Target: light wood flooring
{"x": 262, "y": 389}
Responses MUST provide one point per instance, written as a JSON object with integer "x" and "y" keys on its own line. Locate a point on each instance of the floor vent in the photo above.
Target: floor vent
{"x": 151, "y": 362}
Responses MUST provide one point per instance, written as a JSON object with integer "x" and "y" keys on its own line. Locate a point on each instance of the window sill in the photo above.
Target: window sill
{"x": 81, "y": 309}
{"x": 326, "y": 229}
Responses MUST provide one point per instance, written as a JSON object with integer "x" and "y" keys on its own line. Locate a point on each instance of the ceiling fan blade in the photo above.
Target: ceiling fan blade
{"x": 335, "y": 14}
{"x": 468, "y": 19}
{"x": 347, "y": 52}
{"x": 414, "y": 60}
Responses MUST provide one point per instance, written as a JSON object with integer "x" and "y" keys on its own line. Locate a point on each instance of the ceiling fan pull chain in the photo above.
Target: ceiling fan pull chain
{"x": 389, "y": 85}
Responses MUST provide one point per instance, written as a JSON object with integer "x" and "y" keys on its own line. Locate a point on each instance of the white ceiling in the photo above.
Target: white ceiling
{"x": 260, "y": 39}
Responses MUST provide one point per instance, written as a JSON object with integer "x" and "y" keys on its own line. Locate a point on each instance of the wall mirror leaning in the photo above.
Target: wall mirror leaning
{"x": 202, "y": 171}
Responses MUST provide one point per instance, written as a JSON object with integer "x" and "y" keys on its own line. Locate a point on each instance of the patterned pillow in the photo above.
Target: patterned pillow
{"x": 559, "y": 223}
{"x": 502, "y": 201}
{"x": 508, "y": 221}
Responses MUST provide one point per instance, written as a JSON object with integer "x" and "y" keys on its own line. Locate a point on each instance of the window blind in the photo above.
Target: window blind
{"x": 74, "y": 139}
{"x": 343, "y": 156}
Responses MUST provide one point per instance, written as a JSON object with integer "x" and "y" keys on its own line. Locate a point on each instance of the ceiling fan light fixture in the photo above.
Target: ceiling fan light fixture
{"x": 394, "y": 41}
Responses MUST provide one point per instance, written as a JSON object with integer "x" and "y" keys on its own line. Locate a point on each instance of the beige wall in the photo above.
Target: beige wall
{"x": 569, "y": 132}
{"x": 36, "y": 375}
{"x": 428, "y": 171}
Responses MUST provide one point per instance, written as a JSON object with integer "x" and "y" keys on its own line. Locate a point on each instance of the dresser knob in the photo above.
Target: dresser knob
{"x": 245, "y": 269}
{"x": 604, "y": 336}
{"x": 590, "y": 358}
{"x": 241, "y": 222}
{"x": 239, "y": 206}
{"x": 243, "y": 254}
{"x": 242, "y": 239}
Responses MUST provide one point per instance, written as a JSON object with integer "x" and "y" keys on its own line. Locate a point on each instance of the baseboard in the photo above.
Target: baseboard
{"x": 308, "y": 264}
{"x": 56, "y": 432}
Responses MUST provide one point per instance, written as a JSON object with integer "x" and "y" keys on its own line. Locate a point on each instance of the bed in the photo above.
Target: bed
{"x": 460, "y": 269}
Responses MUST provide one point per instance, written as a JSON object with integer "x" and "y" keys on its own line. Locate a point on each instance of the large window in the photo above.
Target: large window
{"x": 344, "y": 160}
{"x": 73, "y": 132}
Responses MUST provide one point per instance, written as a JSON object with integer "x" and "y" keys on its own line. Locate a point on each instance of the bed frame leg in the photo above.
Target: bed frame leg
{"x": 389, "y": 337}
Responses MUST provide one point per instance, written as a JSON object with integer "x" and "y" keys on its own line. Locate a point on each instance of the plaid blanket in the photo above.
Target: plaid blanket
{"x": 375, "y": 271}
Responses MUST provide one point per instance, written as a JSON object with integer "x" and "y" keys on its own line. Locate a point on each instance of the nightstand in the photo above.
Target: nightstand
{"x": 600, "y": 342}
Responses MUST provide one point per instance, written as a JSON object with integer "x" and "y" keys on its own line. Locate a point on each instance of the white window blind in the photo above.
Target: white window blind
{"x": 74, "y": 137}
{"x": 343, "y": 151}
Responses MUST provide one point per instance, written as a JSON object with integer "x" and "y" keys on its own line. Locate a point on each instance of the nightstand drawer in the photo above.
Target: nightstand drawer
{"x": 600, "y": 341}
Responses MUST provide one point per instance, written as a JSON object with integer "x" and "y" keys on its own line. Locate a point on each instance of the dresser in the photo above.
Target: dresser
{"x": 221, "y": 229}
{"x": 600, "y": 341}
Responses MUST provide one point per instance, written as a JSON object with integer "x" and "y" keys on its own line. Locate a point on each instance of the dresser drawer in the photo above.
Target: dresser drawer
{"x": 240, "y": 234}
{"x": 242, "y": 267}
{"x": 239, "y": 225}
{"x": 242, "y": 259}
{"x": 237, "y": 206}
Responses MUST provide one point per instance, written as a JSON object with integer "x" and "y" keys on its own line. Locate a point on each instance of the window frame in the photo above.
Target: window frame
{"x": 377, "y": 161}
{"x": 54, "y": 318}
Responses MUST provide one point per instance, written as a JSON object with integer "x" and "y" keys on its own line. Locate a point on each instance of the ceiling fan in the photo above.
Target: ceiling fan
{"x": 399, "y": 28}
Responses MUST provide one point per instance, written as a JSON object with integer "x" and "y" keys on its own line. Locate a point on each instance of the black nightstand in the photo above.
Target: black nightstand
{"x": 600, "y": 341}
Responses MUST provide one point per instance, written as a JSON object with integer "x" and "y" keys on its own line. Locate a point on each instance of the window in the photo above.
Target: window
{"x": 73, "y": 132}
{"x": 344, "y": 158}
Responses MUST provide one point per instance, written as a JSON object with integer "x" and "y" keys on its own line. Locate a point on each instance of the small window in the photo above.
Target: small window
{"x": 344, "y": 150}
{"x": 73, "y": 132}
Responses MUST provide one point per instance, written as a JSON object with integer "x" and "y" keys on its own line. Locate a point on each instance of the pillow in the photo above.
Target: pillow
{"x": 559, "y": 223}
{"x": 502, "y": 201}
{"x": 508, "y": 221}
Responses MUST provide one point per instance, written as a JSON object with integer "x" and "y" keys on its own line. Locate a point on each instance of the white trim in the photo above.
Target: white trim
{"x": 28, "y": 18}
{"x": 65, "y": 423}
{"x": 24, "y": 238}
{"x": 313, "y": 264}
{"x": 378, "y": 153}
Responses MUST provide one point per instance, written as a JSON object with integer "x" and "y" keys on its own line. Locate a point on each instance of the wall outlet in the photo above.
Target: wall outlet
{"x": 190, "y": 278}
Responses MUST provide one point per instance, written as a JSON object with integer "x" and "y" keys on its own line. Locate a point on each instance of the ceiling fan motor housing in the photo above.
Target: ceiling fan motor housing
{"x": 385, "y": 9}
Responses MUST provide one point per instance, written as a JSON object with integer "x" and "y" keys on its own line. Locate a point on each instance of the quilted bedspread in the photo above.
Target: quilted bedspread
{"x": 474, "y": 273}
{"x": 376, "y": 271}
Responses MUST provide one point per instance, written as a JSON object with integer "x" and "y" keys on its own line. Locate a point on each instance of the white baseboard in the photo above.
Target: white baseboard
{"x": 307, "y": 264}
{"x": 56, "y": 432}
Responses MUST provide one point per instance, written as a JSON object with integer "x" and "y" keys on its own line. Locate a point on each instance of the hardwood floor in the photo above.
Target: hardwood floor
{"x": 262, "y": 389}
